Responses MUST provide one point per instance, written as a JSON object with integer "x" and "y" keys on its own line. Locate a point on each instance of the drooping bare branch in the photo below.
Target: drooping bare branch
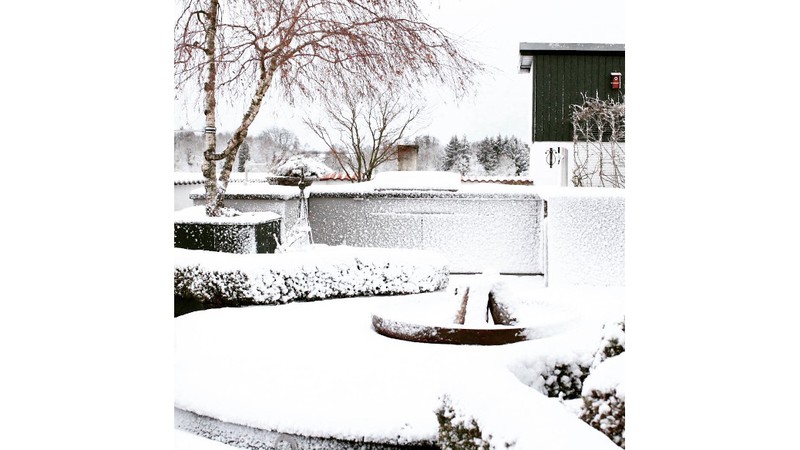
{"x": 237, "y": 49}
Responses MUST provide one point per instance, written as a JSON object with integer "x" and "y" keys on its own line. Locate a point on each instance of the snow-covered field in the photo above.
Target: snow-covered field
{"x": 319, "y": 369}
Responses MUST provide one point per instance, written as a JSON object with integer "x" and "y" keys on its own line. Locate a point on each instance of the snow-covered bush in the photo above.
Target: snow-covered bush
{"x": 302, "y": 165}
{"x": 227, "y": 279}
{"x": 612, "y": 342}
{"x": 559, "y": 375}
{"x": 564, "y": 380}
{"x": 456, "y": 431}
{"x": 604, "y": 399}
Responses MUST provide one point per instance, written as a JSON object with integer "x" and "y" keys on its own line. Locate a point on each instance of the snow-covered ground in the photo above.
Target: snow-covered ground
{"x": 319, "y": 369}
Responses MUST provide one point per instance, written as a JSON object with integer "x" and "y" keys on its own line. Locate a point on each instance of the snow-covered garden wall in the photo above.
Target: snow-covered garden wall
{"x": 239, "y": 279}
{"x": 585, "y": 234}
{"x": 501, "y": 227}
{"x": 475, "y": 230}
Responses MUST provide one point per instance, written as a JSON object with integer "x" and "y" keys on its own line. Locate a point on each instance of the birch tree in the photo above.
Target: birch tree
{"x": 240, "y": 49}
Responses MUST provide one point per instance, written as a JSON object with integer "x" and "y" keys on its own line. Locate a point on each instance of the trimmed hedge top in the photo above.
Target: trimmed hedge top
{"x": 228, "y": 279}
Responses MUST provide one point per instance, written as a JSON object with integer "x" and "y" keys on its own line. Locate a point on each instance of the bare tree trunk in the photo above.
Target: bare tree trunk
{"x": 241, "y": 133}
{"x": 209, "y": 167}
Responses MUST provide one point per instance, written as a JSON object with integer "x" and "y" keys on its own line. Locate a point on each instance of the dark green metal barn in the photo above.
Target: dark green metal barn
{"x": 562, "y": 73}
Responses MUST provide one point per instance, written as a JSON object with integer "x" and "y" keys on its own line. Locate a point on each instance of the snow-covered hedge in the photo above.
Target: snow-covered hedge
{"x": 604, "y": 399}
{"x": 227, "y": 279}
{"x": 472, "y": 418}
{"x": 602, "y": 392}
{"x": 612, "y": 342}
{"x": 456, "y": 431}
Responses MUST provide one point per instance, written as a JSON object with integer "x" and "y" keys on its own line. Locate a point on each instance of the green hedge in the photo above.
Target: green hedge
{"x": 227, "y": 279}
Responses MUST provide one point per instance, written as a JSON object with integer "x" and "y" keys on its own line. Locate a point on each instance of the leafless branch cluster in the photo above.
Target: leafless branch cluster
{"x": 598, "y": 139}
{"x": 239, "y": 48}
{"x": 363, "y": 133}
{"x": 317, "y": 45}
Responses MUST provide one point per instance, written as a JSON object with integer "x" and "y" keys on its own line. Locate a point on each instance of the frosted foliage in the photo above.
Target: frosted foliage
{"x": 528, "y": 420}
{"x": 612, "y": 342}
{"x": 586, "y": 237}
{"x": 457, "y": 432}
{"x": 604, "y": 399}
{"x": 319, "y": 274}
{"x": 298, "y": 165}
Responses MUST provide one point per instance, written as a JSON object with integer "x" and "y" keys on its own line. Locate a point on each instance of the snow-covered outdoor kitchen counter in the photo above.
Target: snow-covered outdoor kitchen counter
{"x": 318, "y": 369}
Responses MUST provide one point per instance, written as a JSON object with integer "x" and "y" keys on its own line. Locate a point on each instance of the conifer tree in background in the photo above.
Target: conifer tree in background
{"x": 497, "y": 154}
{"x": 244, "y": 156}
{"x": 457, "y": 155}
{"x": 519, "y": 153}
{"x": 431, "y": 153}
{"x": 488, "y": 153}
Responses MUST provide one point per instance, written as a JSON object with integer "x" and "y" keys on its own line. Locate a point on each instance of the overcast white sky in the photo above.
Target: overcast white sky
{"x": 491, "y": 32}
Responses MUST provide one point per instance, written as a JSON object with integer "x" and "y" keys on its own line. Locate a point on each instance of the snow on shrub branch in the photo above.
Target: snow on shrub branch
{"x": 324, "y": 272}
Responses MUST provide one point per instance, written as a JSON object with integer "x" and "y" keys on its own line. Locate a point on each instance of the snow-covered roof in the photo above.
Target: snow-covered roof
{"x": 183, "y": 178}
{"x": 497, "y": 179}
{"x": 336, "y": 176}
{"x": 528, "y": 49}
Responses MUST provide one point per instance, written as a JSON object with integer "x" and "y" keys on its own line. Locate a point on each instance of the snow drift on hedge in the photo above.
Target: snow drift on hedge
{"x": 529, "y": 421}
{"x": 320, "y": 273}
{"x": 604, "y": 399}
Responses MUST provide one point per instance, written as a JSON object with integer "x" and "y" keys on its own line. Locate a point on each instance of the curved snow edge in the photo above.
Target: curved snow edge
{"x": 248, "y": 437}
{"x": 324, "y": 272}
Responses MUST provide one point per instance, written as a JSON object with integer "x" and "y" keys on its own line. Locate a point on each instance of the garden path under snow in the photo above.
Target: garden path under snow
{"x": 319, "y": 369}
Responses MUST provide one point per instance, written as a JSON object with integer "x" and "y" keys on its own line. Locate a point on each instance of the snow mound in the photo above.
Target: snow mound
{"x": 299, "y": 165}
{"x": 531, "y": 421}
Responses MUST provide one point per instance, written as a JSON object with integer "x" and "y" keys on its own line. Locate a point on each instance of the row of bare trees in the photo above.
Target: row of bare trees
{"x": 270, "y": 147}
{"x": 370, "y": 151}
{"x": 310, "y": 49}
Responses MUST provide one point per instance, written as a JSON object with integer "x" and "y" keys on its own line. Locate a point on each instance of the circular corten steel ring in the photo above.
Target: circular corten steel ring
{"x": 430, "y": 334}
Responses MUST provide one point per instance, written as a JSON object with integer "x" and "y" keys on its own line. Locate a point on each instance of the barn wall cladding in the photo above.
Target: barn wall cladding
{"x": 561, "y": 74}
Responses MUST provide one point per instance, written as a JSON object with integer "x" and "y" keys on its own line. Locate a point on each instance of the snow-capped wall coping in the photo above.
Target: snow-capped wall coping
{"x": 251, "y": 191}
{"x": 197, "y": 214}
{"x": 184, "y": 178}
{"x": 385, "y": 184}
{"x": 585, "y": 236}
